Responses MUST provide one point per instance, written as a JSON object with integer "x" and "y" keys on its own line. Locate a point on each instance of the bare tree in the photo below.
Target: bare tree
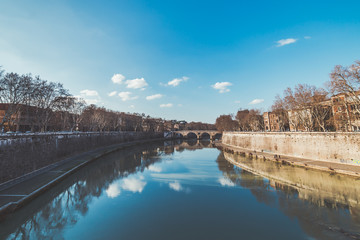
{"x": 346, "y": 80}
{"x": 256, "y": 120}
{"x": 101, "y": 119}
{"x": 62, "y": 112}
{"x": 250, "y": 120}
{"x": 76, "y": 109}
{"x": 226, "y": 123}
{"x": 47, "y": 97}
{"x": 303, "y": 97}
{"x": 321, "y": 110}
{"x": 242, "y": 116}
{"x": 281, "y": 112}
{"x": 13, "y": 92}
{"x": 41, "y": 106}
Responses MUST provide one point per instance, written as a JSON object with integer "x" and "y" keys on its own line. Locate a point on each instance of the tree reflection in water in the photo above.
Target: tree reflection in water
{"x": 71, "y": 199}
{"x": 323, "y": 204}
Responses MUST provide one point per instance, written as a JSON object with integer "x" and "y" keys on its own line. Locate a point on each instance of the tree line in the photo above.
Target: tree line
{"x": 243, "y": 120}
{"x": 335, "y": 107}
{"x": 30, "y": 103}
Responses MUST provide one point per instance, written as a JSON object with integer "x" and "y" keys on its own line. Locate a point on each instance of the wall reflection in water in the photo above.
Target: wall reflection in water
{"x": 323, "y": 203}
{"x": 46, "y": 217}
{"x": 72, "y": 197}
{"x": 168, "y": 174}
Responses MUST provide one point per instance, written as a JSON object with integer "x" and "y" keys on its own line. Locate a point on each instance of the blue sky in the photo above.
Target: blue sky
{"x": 191, "y": 60}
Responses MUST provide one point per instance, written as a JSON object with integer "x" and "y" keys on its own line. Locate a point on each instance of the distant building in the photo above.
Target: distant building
{"x": 300, "y": 119}
{"x": 23, "y": 119}
{"x": 180, "y": 125}
{"x": 345, "y": 112}
{"x": 271, "y": 122}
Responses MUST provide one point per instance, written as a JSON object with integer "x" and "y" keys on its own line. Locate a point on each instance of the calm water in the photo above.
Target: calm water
{"x": 184, "y": 191}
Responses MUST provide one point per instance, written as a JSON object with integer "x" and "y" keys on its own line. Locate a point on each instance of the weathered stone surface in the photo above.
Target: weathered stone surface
{"x": 333, "y": 147}
{"x": 25, "y": 154}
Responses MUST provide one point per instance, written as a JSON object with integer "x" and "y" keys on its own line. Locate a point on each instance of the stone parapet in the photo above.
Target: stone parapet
{"x": 331, "y": 147}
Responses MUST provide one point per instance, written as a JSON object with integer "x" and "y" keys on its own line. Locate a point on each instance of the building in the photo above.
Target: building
{"x": 180, "y": 125}
{"x": 23, "y": 118}
{"x": 300, "y": 120}
{"x": 345, "y": 110}
{"x": 271, "y": 122}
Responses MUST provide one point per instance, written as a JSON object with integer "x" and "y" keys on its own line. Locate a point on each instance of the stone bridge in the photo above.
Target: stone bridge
{"x": 213, "y": 134}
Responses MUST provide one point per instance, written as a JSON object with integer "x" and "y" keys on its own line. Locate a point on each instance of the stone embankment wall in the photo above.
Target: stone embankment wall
{"x": 23, "y": 154}
{"x": 333, "y": 147}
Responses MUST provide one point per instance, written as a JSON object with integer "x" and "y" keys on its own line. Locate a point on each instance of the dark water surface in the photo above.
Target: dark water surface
{"x": 185, "y": 191}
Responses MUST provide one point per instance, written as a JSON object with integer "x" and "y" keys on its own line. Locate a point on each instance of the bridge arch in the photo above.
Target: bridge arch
{"x": 193, "y": 142}
{"x": 205, "y": 135}
{"x": 192, "y": 135}
{"x": 205, "y": 143}
{"x": 179, "y": 135}
{"x": 217, "y": 136}
{"x": 199, "y": 134}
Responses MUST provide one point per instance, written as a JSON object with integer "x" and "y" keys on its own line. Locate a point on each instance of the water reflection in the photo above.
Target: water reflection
{"x": 132, "y": 184}
{"x": 325, "y": 205}
{"x": 71, "y": 198}
{"x": 74, "y": 195}
{"x": 165, "y": 188}
{"x": 175, "y": 186}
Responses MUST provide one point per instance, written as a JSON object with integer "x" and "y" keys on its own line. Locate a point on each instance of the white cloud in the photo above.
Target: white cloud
{"x": 256, "y": 101}
{"x": 113, "y": 191}
{"x": 237, "y": 101}
{"x": 222, "y": 86}
{"x": 131, "y": 83}
{"x": 112, "y": 94}
{"x": 125, "y": 96}
{"x": 175, "y": 186}
{"x": 225, "y": 182}
{"x": 133, "y": 184}
{"x": 155, "y": 96}
{"x": 132, "y": 106}
{"x": 136, "y": 83}
{"x": 153, "y": 168}
{"x": 176, "y": 81}
{"x": 283, "y": 42}
{"x": 91, "y": 101}
{"x": 89, "y": 93}
{"x": 167, "y": 105}
{"x": 118, "y": 78}
{"x": 307, "y": 37}
{"x": 180, "y": 105}
{"x": 90, "y": 96}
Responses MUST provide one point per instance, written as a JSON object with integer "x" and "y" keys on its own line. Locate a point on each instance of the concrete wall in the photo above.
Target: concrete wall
{"x": 22, "y": 154}
{"x": 333, "y": 147}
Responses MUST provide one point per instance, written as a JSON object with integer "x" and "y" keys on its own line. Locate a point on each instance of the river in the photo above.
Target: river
{"x": 190, "y": 190}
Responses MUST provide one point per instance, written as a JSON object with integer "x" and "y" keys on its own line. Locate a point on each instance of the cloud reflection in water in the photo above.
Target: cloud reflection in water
{"x": 225, "y": 182}
{"x": 153, "y": 168}
{"x": 132, "y": 184}
{"x": 113, "y": 190}
{"x": 175, "y": 186}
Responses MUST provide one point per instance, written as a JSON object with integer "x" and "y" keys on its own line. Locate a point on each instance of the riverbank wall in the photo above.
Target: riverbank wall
{"x": 20, "y": 155}
{"x": 330, "y": 147}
